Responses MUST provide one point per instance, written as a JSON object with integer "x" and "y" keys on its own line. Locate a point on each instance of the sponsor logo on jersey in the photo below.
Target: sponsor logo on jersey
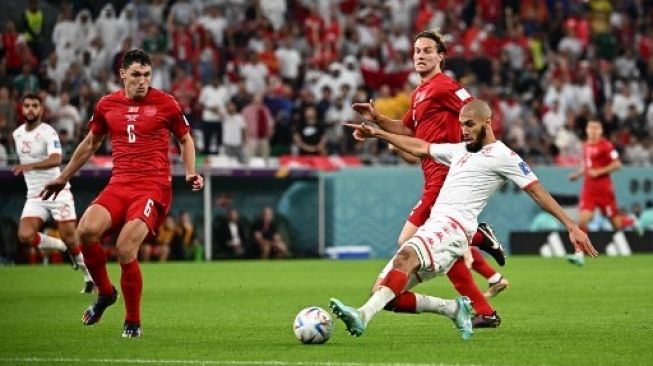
{"x": 132, "y": 109}
{"x": 462, "y": 94}
{"x": 524, "y": 167}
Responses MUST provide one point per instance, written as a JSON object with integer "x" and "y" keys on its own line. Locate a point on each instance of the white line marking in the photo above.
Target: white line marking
{"x": 211, "y": 362}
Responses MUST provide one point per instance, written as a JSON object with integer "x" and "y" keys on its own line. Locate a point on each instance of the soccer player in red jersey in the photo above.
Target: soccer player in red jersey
{"x": 139, "y": 120}
{"x": 599, "y": 160}
{"x": 436, "y": 104}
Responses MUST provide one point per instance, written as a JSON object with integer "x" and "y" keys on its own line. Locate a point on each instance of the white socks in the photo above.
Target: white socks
{"x": 376, "y": 303}
{"x": 494, "y": 278}
{"x": 432, "y": 304}
{"x": 79, "y": 258}
{"x": 48, "y": 242}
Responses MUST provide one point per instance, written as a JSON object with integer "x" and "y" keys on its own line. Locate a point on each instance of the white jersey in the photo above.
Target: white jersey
{"x": 473, "y": 178}
{"x": 35, "y": 146}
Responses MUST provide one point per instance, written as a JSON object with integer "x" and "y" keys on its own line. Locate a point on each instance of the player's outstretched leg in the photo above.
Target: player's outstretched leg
{"x": 350, "y": 316}
{"x": 463, "y": 316}
{"x": 131, "y": 330}
{"x": 94, "y": 312}
{"x": 496, "y": 287}
{"x": 490, "y": 243}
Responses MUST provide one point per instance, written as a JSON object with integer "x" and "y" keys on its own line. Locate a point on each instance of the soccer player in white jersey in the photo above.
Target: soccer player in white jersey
{"x": 39, "y": 152}
{"x": 478, "y": 167}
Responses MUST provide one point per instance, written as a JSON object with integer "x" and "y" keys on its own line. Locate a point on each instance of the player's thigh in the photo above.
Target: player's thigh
{"x": 94, "y": 223}
{"x": 67, "y": 232}
{"x": 584, "y": 216}
{"x": 28, "y": 226}
{"x": 131, "y": 236}
{"x": 35, "y": 209}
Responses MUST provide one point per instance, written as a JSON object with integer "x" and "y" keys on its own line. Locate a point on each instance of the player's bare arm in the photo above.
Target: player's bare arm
{"x": 52, "y": 161}
{"x": 576, "y": 174}
{"x": 578, "y": 238}
{"x": 187, "y": 147}
{"x": 82, "y": 153}
{"x": 411, "y": 145}
{"x": 613, "y": 166}
{"x": 368, "y": 112}
{"x": 408, "y": 158}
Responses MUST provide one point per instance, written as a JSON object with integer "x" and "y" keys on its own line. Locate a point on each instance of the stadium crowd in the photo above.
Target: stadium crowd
{"x": 276, "y": 77}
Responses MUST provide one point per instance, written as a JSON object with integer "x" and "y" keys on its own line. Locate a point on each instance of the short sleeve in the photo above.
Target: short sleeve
{"x": 408, "y": 119}
{"x": 98, "y": 123}
{"x": 177, "y": 122}
{"x": 611, "y": 151}
{"x": 52, "y": 141}
{"x": 442, "y": 153}
{"x": 511, "y": 166}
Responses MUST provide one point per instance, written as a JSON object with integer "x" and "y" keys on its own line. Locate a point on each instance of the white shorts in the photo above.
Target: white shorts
{"x": 438, "y": 244}
{"x": 61, "y": 209}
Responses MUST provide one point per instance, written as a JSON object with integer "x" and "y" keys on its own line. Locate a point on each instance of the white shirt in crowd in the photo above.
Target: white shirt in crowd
{"x": 232, "y": 130}
{"x": 34, "y": 146}
{"x": 213, "y": 97}
{"x": 255, "y": 75}
{"x": 474, "y": 177}
{"x": 289, "y": 62}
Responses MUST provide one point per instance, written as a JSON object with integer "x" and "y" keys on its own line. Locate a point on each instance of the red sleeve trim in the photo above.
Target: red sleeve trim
{"x": 530, "y": 184}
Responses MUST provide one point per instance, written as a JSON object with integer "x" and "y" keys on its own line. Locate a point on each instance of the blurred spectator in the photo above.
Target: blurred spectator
{"x": 26, "y": 82}
{"x": 33, "y": 26}
{"x": 624, "y": 99}
{"x": 267, "y": 236}
{"x": 67, "y": 145}
{"x": 182, "y": 12}
{"x": 309, "y": 138}
{"x": 159, "y": 247}
{"x": 233, "y": 235}
{"x": 553, "y": 119}
{"x": 66, "y": 116}
{"x": 185, "y": 234}
{"x": 260, "y": 127}
{"x": 241, "y": 97}
{"x": 108, "y": 28}
{"x": 274, "y": 11}
{"x": 7, "y": 113}
{"x": 162, "y": 66}
{"x": 185, "y": 89}
{"x": 214, "y": 22}
{"x": 255, "y": 73}
{"x": 213, "y": 98}
{"x": 336, "y": 115}
{"x": 234, "y": 133}
{"x": 289, "y": 62}
{"x": 4, "y": 156}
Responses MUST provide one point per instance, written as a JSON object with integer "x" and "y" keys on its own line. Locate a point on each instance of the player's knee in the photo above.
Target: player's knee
{"x": 26, "y": 236}
{"x": 89, "y": 233}
{"x": 126, "y": 254}
{"x": 406, "y": 260}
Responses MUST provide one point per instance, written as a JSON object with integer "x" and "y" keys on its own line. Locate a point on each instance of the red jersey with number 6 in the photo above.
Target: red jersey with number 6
{"x": 140, "y": 133}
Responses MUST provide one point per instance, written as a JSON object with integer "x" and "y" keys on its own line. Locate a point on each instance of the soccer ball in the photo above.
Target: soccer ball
{"x": 313, "y": 325}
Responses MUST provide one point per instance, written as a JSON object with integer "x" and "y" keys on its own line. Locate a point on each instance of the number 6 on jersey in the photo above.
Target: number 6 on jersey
{"x": 131, "y": 136}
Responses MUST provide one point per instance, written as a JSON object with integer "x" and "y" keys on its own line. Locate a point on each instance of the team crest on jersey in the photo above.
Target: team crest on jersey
{"x": 524, "y": 168}
{"x": 149, "y": 110}
{"x": 420, "y": 96}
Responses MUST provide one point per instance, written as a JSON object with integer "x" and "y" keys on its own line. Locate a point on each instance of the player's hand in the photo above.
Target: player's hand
{"x": 21, "y": 168}
{"x": 52, "y": 188}
{"x": 573, "y": 176}
{"x": 363, "y": 130}
{"x": 366, "y": 110}
{"x": 582, "y": 242}
{"x": 195, "y": 181}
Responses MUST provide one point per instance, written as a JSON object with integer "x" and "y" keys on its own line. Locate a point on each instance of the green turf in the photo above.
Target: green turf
{"x": 241, "y": 313}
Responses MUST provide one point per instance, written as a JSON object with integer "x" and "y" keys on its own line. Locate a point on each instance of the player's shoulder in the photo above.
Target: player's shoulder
{"x": 443, "y": 83}
{"x": 111, "y": 97}
{"x": 46, "y": 127}
{"x": 159, "y": 96}
{"x": 501, "y": 151}
{"x": 605, "y": 143}
{"x": 18, "y": 130}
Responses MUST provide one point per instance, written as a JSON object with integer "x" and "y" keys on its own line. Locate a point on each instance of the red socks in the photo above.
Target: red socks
{"x": 396, "y": 281}
{"x": 480, "y": 265}
{"x": 75, "y": 250}
{"x": 406, "y": 302}
{"x": 131, "y": 283}
{"x": 477, "y": 238}
{"x": 462, "y": 280}
{"x": 95, "y": 259}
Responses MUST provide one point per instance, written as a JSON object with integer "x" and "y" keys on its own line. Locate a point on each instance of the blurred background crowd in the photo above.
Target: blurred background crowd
{"x": 259, "y": 79}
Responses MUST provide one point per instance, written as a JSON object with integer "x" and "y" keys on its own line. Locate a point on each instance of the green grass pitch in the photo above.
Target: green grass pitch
{"x": 241, "y": 313}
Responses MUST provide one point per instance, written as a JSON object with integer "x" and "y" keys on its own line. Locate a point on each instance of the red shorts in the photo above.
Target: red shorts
{"x": 146, "y": 201}
{"x": 606, "y": 202}
{"x": 422, "y": 210}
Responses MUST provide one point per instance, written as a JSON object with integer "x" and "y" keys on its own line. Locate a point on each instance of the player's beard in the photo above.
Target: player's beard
{"x": 477, "y": 144}
{"x": 31, "y": 121}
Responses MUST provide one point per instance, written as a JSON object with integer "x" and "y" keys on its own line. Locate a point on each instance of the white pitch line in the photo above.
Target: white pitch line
{"x": 211, "y": 362}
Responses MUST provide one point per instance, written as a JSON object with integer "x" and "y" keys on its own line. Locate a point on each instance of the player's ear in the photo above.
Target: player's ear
{"x": 122, "y": 73}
